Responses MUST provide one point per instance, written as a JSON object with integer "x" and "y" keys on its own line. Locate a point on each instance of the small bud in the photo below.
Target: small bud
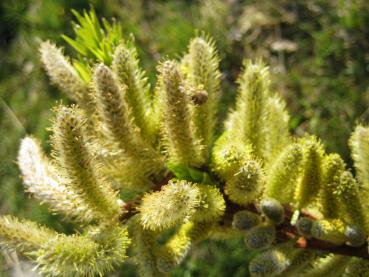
{"x": 245, "y": 220}
{"x": 273, "y": 210}
{"x": 304, "y": 225}
{"x": 355, "y": 236}
{"x": 268, "y": 264}
{"x": 260, "y": 237}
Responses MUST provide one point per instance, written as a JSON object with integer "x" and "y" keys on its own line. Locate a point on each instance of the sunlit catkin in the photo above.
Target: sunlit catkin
{"x": 203, "y": 72}
{"x": 126, "y": 66}
{"x": 78, "y": 167}
{"x": 179, "y": 140}
{"x": 62, "y": 74}
{"x": 250, "y": 115}
{"x": 311, "y": 179}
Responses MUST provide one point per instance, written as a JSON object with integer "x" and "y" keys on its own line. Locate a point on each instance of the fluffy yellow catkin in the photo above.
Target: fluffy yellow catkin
{"x": 229, "y": 154}
{"x": 126, "y": 67}
{"x": 249, "y": 117}
{"x": 178, "y": 135}
{"x": 145, "y": 248}
{"x": 277, "y": 132}
{"x": 246, "y": 184}
{"x": 283, "y": 174}
{"x": 41, "y": 179}
{"x": 311, "y": 179}
{"x": 203, "y": 73}
{"x": 138, "y": 157}
{"x": 359, "y": 143}
{"x": 84, "y": 256}
{"x": 156, "y": 209}
{"x": 175, "y": 250}
{"x": 23, "y": 235}
{"x": 348, "y": 195}
{"x": 78, "y": 167}
{"x": 333, "y": 166}
{"x": 62, "y": 73}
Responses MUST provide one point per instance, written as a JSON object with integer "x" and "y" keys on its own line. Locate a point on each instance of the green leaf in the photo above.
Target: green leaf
{"x": 180, "y": 171}
{"x": 190, "y": 174}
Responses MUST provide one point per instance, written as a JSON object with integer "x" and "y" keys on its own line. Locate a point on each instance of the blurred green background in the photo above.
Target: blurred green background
{"x": 317, "y": 51}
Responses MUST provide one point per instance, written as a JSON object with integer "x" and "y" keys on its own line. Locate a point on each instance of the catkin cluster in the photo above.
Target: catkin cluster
{"x": 182, "y": 181}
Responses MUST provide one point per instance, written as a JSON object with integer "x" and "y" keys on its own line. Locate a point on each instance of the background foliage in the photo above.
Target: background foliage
{"x": 317, "y": 51}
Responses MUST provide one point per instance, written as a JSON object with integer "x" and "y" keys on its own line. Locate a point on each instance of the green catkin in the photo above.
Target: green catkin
{"x": 138, "y": 157}
{"x": 41, "y": 179}
{"x": 212, "y": 204}
{"x": 145, "y": 248}
{"x": 83, "y": 256}
{"x": 203, "y": 72}
{"x": 273, "y": 210}
{"x": 277, "y": 132}
{"x": 270, "y": 263}
{"x": 156, "y": 209}
{"x": 78, "y": 167}
{"x": 249, "y": 117}
{"x": 117, "y": 119}
{"x": 283, "y": 174}
{"x": 245, "y": 185}
{"x": 359, "y": 144}
{"x": 253, "y": 162}
{"x": 62, "y": 74}
{"x": 174, "y": 251}
{"x": 228, "y": 155}
{"x": 311, "y": 179}
{"x": 113, "y": 109}
{"x": 245, "y": 220}
{"x": 23, "y": 235}
{"x": 178, "y": 136}
{"x": 260, "y": 237}
{"x": 350, "y": 203}
{"x": 333, "y": 166}
{"x": 126, "y": 67}
{"x": 330, "y": 266}
{"x": 332, "y": 231}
